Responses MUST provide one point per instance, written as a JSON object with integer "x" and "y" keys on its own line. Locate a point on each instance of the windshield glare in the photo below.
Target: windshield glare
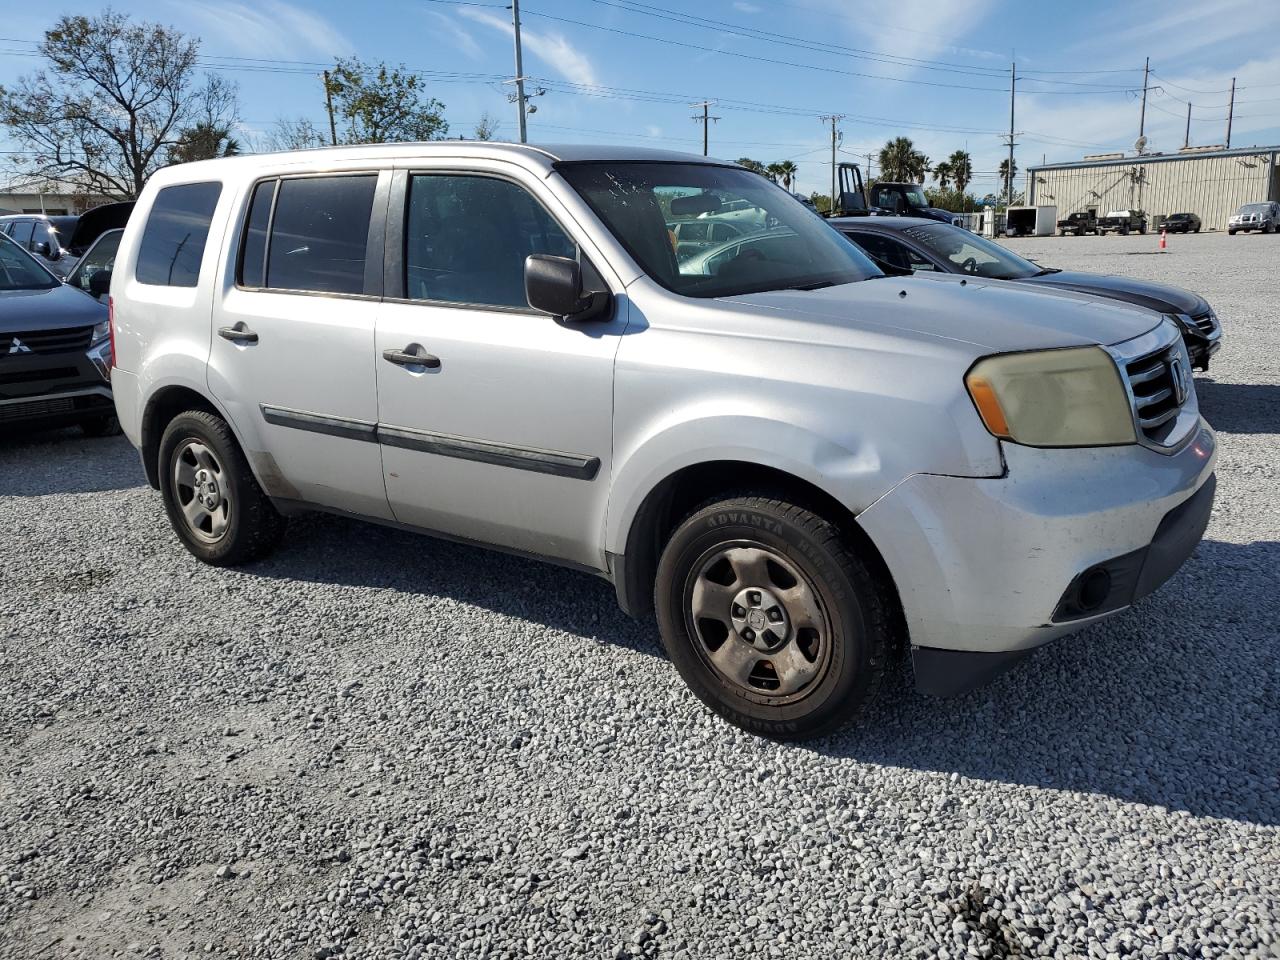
{"x": 18, "y": 271}
{"x": 711, "y": 231}
{"x": 972, "y": 253}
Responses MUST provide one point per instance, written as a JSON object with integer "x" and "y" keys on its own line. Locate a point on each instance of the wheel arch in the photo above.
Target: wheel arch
{"x": 161, "y": 407}
{"x": 676, "y": 495}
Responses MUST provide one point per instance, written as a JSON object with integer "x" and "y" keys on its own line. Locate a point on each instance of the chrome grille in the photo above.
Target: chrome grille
{"x": 1160, "y": 383}
{"x": 17, "y": 343}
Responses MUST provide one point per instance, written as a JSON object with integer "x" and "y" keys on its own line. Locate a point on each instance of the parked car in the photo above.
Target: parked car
{"x": 792, "y": 458}
{"x": 906, "y": 246}
{"x": 1079, "y": 224}
{"x": 1181, "y": 223}
{"x": 908, "y": 200}
{"x": 59, "y": 241}
{"x": 98, "y": 259}
{"x": 1263, "y": 217}
{"x": 47, "y": 238}
{"x": 55, "y": 349}
{"x": 695, "y": 235}
{"x": 1123, "y": 222}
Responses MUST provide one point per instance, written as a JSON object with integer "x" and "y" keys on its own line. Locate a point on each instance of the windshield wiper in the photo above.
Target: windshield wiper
{"x": 817, "y": 285}
{"x": 1045, "y": 271}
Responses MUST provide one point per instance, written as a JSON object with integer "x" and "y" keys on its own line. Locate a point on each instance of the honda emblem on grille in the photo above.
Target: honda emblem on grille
{"x": 1178, "y": 373}
{"x": 17, "y": 346}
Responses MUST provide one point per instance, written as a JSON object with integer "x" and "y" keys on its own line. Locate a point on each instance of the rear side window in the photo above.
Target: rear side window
{"x": 174, "y": 237}
{"x": 319, "y": 234}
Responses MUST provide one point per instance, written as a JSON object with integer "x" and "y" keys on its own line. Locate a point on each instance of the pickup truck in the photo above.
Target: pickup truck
{"x": 1123, "y": 222}
{"x": 1079, "y": 224}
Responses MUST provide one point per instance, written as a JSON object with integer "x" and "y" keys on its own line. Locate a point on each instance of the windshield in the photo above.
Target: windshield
{"x": 916, "y": 197}
{"x": 1255, "y": 208}
{"x": 19, "y": 271}
{"x": 971, "y": 253}
{"x": 710, "y": 231}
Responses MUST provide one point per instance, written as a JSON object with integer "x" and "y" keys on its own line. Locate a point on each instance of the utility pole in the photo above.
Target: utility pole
{"x": 520, "y": 101}
{"x": 706, "y": 119}
{"x": 834, "y": 118}
{"x": 1231, "y": 107}
{"x": 328, "y": 99}
{"x": 1142, "y": 117}
{"x": 1013, "y": 83}
{"x": 1186, "y": 140}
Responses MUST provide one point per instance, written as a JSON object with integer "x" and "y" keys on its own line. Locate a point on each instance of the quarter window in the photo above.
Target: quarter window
{"x": 467, "y": 237}
{"x": 320, "y": 234}
{"x": 253, "y": 255}
{"x": 173, "y": 241}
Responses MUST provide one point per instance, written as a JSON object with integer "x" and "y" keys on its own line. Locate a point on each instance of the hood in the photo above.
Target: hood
{"x": 1142, "y": 293}
{"x": 62, "y": 306}
{"x": 94, "y": 223}
{"x": 991, "y": 316}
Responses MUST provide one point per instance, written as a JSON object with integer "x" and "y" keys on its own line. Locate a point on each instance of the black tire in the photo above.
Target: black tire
{"x": 1231, "y": 233}
{"x": 103, "y": 426}
{"x": 847, "y": 664}
{"x": 252, "y": 525}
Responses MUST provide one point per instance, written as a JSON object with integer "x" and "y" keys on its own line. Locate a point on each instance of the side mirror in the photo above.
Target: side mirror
{"x": 554, "y": 285}
{"x": 100, "y": 284}
{"x": 42, "y": 248}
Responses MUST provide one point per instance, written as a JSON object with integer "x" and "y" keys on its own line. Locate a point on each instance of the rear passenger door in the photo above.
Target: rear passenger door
{"x": 291, "y": 355}
{"x": 504, "y": 433}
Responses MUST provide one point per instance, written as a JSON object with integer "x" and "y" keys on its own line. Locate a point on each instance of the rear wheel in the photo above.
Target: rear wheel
{"x": 770, "y": 618}
{"x": 214, "y": 503}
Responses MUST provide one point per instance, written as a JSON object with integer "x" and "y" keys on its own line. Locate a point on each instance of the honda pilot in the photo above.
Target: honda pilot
{"x": 796, "y": 462}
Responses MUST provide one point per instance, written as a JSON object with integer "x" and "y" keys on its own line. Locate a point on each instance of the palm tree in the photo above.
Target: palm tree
{"x": 901, "y": 161}
{"x": 961, "y": 165}
{"x": 755, "y": 166}
{"x": 773, "y": 171}
{"x": 943, "y": 174}
{"x": 204, "y": 141}
{"x": 787, "y": 170}
{"x": 1006, "y": 177}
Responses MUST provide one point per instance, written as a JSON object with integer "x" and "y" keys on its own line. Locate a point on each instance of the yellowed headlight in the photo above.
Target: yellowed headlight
{"x": 1053, "y": 398}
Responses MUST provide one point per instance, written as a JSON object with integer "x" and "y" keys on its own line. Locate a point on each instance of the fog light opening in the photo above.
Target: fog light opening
{"x": 1095, "y": 587}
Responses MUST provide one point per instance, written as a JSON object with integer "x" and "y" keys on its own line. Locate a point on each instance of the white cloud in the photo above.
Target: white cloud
{"x": 465, "y": 41}
{"x": 552, "y": 48}
{"x": 743, "y": 7}
{"x": 653, "y": 131}
{"x": 271, "y": 28}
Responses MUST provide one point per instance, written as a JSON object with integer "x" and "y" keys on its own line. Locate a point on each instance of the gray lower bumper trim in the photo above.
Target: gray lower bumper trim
{"x": 949, "y": 673}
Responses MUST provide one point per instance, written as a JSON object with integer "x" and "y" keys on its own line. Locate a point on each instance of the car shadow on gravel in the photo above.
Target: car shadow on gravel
{"x": 1240, "y": 407}
{"x": 39, "y": 463}
{"x": 1172, "y": 703}
{"x": 321, "y": 548}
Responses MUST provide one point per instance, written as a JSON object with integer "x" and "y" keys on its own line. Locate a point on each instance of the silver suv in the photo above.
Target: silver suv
{"x": 796, "y": 462}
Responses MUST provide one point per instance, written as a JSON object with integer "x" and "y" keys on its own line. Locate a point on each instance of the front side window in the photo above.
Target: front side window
{"x": 467, "y": 237}
{"x": 43, "y": 233}
{"x": 971, "y": 253}
{"x": 19, "y": 272}
{"x": 101, "y": 256}
{"x": 779, "y": 243}
{"x": 21, "y": 232}
{"x": 320, "y": 234}
{"x": 177, "y": 229}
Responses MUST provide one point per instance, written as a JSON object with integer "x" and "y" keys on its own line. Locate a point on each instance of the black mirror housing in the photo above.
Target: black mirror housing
{"x": 42, "y": 248}
{"x": 554, "y": 285}
{"x": 100, "y": 283}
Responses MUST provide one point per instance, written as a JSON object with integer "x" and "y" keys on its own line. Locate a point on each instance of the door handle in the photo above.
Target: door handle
{"x": 406, "y": 358}
{"x": 238, "y": 334}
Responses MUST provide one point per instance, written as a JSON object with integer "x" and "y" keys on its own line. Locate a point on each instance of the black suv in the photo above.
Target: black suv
{"x": 55, "y": 349}
{"x": 1181, "y": 223}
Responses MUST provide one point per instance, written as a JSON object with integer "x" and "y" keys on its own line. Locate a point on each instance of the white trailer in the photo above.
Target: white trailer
{"x": 1031, "y": 221}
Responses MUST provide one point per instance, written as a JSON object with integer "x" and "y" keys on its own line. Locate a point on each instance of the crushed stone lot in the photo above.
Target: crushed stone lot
{"x": 378, "y": 745}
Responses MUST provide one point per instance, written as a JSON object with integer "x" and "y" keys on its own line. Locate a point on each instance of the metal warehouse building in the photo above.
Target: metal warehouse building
{"x": 1209, "y": 181}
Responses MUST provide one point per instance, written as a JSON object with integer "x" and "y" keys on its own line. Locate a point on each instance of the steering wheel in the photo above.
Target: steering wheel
{"x": 970, "y": 265}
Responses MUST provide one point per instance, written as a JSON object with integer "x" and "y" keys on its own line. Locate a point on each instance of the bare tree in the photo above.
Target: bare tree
{"x": 487, "y": 128}
{"x": 114, "y": 98}
{"x": 297, "y": 133}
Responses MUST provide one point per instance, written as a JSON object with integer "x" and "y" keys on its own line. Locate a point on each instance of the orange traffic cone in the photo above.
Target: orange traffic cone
{"x": 1164, "y": 243}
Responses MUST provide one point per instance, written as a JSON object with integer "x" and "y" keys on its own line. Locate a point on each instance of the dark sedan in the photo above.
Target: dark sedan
{"x": 55, "y": 349}
{"x": 905, "y": 245}
{"x": 1181, "y": 223}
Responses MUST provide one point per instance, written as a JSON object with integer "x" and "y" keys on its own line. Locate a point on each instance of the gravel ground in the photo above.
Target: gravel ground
{"x": 376, "y": 745}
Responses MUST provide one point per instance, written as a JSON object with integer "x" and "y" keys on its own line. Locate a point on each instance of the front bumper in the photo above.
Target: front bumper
{"x": 55, "y": 388}
{"x": 983, "y": 565}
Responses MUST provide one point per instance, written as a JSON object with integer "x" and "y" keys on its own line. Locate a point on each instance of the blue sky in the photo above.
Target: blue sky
{"x": 622, "y": 71}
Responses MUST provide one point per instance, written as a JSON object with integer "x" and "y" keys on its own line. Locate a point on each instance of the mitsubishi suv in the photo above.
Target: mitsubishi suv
{"x": 795, "y": 461}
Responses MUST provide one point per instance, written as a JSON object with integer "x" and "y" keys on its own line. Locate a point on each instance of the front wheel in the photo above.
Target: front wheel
{"x": 213, "y": 500}
{"x": 770, "y": 618}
